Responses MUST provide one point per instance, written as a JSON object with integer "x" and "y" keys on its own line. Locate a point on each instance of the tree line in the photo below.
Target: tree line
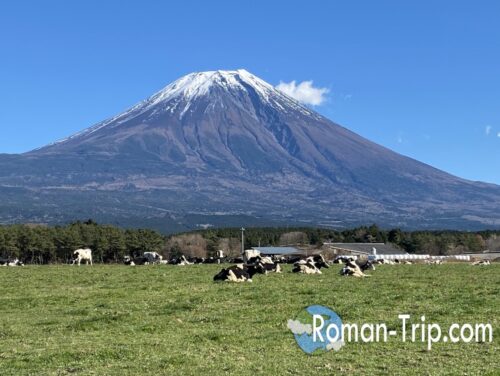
{"x": 443, "y": 242}
{"x": 41, "y": 244}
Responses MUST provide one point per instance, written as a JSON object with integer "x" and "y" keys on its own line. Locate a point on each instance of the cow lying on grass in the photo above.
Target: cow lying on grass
{"x": 250, "y": 254}
{"x": 368, "y": 265}
{"x": 153, "y": 257}
{"x": 141, "y": 260}
{"x": 213, "y": 260}
{"x": 481, "y": 262}
{"x": 384, "y": 261}
{"x": 146, "y": 259}
{"x": 433, "y": 262}
{"x": 310, "y": 265}
{"x": 83, "y": 254}
{"x": 182, "y": 260}
{"x": 14, "y": 262}
{"x": 267, "y": 263}
{"x": 352, "y": 269}
{"x": 343, "y": 258}
{"x": 240, "y": 273}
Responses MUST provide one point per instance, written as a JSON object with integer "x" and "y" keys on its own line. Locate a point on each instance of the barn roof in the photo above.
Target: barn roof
{"x": 278, "y": 250}
{"x": 382, "y": 248}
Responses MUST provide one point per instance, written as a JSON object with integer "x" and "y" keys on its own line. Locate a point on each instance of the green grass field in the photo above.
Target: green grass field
{"x": 170, "y": 320}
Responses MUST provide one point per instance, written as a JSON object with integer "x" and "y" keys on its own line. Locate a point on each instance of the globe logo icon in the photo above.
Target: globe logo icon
{"x": 317, "y": 329}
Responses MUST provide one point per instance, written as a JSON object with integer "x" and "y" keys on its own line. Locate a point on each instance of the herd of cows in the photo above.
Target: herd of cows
{"x": 250, "y": 264}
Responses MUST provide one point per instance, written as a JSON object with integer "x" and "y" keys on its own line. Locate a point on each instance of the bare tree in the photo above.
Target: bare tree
{"x": 293, "y": 238}
{"x": 192, "y": 245}
{"x": 230, "y": 246}
{"x": 493, "y": 243}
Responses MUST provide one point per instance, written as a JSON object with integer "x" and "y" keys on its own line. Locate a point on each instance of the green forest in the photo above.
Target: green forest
{"x": 40, "y": 244}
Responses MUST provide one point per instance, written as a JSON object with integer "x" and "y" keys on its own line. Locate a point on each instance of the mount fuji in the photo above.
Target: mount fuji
{"x": 227, "y": 148}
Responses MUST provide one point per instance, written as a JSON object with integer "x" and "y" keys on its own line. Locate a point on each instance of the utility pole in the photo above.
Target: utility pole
{"x": 242, "y": 241}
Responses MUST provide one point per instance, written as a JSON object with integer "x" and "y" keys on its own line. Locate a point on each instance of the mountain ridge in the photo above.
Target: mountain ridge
{"x": 228, "y": 142}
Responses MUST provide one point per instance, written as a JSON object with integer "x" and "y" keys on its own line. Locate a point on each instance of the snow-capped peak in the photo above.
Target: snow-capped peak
{"x": 182, "y": 93}
{"x": 198, "y": 84}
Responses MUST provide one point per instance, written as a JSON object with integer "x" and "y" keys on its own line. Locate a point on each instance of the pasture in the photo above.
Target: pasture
{"x": 171, "y": 320}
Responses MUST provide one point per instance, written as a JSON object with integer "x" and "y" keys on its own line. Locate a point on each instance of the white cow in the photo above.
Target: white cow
{"x": 84, "y": 254}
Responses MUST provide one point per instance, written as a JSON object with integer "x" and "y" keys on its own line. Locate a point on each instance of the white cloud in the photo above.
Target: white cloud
{"x": 487, "y": 130}
{"x": 304, "y": 92}
{"x": 298, "y": 328}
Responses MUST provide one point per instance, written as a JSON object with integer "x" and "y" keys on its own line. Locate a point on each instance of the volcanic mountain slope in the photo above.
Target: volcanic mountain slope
{"x": 227, "y": 148}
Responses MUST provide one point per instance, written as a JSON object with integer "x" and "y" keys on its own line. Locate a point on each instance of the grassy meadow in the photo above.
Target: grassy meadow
{"x": 171, "y": 320}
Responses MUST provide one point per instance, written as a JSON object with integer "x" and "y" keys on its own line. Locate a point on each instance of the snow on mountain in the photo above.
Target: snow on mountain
{"x": 180, "y": 95}
{"x": 228, "y": 142}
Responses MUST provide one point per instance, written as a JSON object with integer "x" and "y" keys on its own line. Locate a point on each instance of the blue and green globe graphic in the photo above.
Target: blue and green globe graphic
{"x": 302, "y": 329}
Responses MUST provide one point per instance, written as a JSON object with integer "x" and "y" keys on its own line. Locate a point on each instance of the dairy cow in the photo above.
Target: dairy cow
{"x": 267, "y": 263}
{"x": 310, "y": 265}
{"x": 141, "y": 260}
{"x": 352, "y": 269}
{"x": 153, "y": 257}
{"x": 239, "y": 273}
{"x": 83, "y": 254}
{"x": 14, "y": 262}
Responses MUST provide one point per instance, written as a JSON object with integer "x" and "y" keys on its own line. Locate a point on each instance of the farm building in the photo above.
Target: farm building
{"x": 384, "y": 251}
{"x": 279, "y": 251}
{"x": 363, "y": 249}
{"x": 373, "y": 251}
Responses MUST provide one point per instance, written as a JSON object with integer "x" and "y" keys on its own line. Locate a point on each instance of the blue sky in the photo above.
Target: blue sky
{"x": 422, "y": 79}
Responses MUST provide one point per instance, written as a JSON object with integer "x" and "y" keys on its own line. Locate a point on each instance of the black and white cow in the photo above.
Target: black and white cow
{"x": 141, "y": 260}
{"x": 267, "y": 263}
{"x": 279, "y": 259}
{"x": 196, "y": 260}
{"x": 219, "y": 256}
{"x": 82, "y": 254}
{"x": 182, "y": 260}
{"x": 310, "y": 265}
{"x": 293, "y": 259}
{"x": 352, "y": 269}
{"x": 433, "y": 262}
{"x": 343, "y": 258}
{"x": 481, "y": 262}
{"x": 13, "y": 262}
{"x": 153, "y": 257}
{"x": 368, "y": 265}
{"x": 249, "y": 254}
{"x": 239, "y": 273}
{"x": 384, "y": 261}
